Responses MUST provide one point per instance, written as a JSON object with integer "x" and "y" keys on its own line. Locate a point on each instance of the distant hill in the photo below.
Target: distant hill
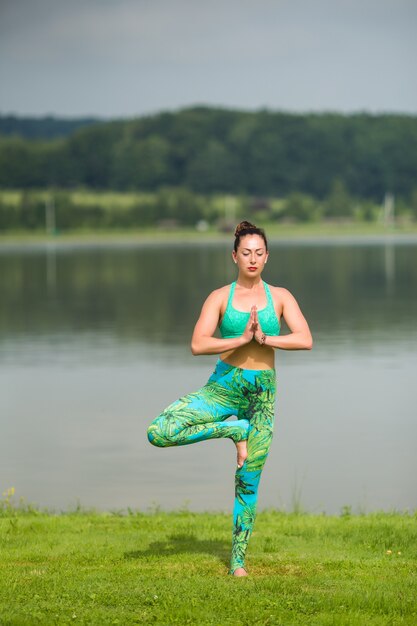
{"x": 48, "y": 127}
{"x": 210, "y": 150}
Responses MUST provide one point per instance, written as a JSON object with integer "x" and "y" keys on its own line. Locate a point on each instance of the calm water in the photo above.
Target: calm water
{"x": 94, "y": 344}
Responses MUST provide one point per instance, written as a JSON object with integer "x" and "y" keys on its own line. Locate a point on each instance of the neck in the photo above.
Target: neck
{"x": 249, "y": 283}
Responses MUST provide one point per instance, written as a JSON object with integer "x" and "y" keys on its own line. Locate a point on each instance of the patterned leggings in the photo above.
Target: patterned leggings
{"x": 250, "y": 396}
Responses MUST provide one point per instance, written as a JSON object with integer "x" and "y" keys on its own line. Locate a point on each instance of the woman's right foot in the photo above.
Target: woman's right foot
{"x": 242, "y": 452}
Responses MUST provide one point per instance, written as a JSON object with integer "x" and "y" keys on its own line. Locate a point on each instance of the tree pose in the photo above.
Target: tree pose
{"x": 248, "y": 314}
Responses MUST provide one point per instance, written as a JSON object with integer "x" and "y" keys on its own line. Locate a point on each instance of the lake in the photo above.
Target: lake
{"x": 95, "y": 343}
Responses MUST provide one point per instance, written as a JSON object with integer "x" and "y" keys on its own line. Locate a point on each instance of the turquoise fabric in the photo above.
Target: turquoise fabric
{"x": 234, "y": 322}
{"x": 201, "y": 415}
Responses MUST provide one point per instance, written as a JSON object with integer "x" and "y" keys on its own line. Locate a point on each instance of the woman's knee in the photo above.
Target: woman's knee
{"x": 157, "y": 435}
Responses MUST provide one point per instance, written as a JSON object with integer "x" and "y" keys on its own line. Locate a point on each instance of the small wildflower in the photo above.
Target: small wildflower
{"x": 398, "y": 552}
{"x": 389, "y": 551}
{"x": 155, "y": 597}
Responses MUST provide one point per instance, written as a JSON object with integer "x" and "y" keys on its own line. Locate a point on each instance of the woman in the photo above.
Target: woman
{"x": 247, "y": 313}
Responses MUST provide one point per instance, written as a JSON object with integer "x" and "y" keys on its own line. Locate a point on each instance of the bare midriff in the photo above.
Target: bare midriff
{"x": 251, "y": 356}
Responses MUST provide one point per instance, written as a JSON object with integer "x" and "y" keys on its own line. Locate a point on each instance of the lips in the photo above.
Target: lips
{"x": 251, "y": 268}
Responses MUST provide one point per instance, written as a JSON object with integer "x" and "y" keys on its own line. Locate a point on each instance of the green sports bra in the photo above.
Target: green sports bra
{"x": 234, "y": 322}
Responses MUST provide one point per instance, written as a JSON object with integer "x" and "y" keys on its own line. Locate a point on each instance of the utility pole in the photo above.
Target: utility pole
{"x": 389, "y": 209}
{"x": 50, "y": 218}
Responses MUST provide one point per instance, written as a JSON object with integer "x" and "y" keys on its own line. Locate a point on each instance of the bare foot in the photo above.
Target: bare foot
{"x": 242, "y": 452}
{"x": 240, "y": 571}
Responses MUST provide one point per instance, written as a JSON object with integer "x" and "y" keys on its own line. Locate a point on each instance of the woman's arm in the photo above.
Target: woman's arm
{"x": 300, "y": 337}
{"x": 203, "y": 342}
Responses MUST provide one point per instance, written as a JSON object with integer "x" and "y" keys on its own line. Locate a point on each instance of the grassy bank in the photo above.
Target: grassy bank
{"x": 170, "y": 568}
{"x": 275, "y": 232}
{"x": 174, "y": 214}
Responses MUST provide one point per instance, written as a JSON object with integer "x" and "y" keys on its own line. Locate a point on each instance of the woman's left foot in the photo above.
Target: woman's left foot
{"x": 242, "y": 453}
{"x": 240, "y": 571}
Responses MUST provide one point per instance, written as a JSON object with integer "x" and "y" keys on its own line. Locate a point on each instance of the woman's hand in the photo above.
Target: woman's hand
{"x": 251, "y": 326}
{"x": 259, "y": 335}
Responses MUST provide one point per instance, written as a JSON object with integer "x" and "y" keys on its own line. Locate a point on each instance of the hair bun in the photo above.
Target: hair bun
{"x": 243, "y": 226}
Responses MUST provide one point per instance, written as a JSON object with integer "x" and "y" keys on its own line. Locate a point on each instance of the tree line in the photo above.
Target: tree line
{"x": 47, "y": 127}
{"x": 169, "y": 207}
{"x": 209, "y": 150}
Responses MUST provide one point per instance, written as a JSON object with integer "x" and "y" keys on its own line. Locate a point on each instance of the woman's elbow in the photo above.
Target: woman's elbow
{"x": 309, "y": 343}
{"x": 195, "y": 348}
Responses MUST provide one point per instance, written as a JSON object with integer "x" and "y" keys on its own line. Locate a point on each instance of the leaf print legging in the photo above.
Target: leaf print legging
{"x": 198, "y": 416}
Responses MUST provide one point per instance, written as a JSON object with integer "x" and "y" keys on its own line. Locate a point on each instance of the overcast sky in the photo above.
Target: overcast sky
{"x": 118, "y": 58}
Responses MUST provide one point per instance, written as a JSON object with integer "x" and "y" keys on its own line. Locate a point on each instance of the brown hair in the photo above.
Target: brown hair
{"x": 246, "y": 228}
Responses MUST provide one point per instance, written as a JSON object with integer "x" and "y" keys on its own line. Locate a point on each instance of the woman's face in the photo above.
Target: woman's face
{"x": 251, "y": 255}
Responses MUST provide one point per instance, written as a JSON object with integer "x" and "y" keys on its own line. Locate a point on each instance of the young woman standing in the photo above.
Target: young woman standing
{"x": 248, "y": 314}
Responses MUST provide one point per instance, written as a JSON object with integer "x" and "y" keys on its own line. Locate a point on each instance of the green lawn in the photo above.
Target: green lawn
{"x": 171, "y": 568}
{"x": 275, "y": 232}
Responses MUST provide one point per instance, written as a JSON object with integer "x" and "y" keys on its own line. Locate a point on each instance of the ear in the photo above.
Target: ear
{"x": 266, "y": 257}
{"x": 234, "y": 256}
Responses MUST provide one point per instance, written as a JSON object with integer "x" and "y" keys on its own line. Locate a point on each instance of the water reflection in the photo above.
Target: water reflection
{"x": 389, "y": 260}
{"x": 153, "y": 294}
{"x": 95, "y": 342}
{"x": 51, "y": 254}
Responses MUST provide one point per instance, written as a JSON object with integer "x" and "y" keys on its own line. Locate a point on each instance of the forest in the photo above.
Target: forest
{"x": 318, "y": 165}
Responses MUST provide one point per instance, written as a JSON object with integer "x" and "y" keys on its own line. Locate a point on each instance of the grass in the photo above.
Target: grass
{"x": 113, "y": 200}
{"x": 275, "y": 232}
{"x": 132, "y": 567}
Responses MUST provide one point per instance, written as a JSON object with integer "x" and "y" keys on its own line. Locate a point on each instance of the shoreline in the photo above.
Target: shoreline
{"x": 313, "y": 234}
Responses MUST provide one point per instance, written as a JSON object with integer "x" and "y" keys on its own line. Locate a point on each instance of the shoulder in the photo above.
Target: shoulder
{"x": 218, "y": 296}
{"x": 280, "y": 293}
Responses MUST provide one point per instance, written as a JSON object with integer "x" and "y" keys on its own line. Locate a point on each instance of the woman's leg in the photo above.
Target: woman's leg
{"x": 260, "y": 410}
{"x": 197, "y": 417}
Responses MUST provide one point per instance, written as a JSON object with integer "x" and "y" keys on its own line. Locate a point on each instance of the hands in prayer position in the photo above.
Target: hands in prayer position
{"x": 253, "y": 328}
